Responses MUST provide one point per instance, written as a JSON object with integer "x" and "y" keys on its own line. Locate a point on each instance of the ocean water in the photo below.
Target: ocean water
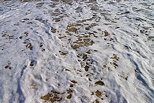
{"x": 76, "y": 51}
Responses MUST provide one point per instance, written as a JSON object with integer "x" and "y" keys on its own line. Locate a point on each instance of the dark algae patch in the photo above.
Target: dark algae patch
{"x": 96, "y": 101}
{"x": 63, "y": 52}
{"x": 69, "y": 96}
{"x": 53, "y": 30}
{"x": 98, "y": 93}
{"x": 106, "y": 33}
{"x": 86, "y": 68}
{"x": 99, "y": 83}
{"x": 55, "y": 96}
{"x": 33, "y": 62}
{"x": 29, "y": 46}
{"x": 8, "y": 66}
{"x": 52, "y": 97}
{"x": 72, "y": 29}
{"x": 73, "y": 81}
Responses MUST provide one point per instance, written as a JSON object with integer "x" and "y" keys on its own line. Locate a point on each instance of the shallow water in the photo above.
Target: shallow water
{"x": 71, "y": 51}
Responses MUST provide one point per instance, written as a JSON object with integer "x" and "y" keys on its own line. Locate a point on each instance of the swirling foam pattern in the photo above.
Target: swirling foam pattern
{"x": 76, "y": 51}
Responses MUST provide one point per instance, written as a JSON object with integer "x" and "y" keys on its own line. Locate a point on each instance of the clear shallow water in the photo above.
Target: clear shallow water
{"x": 77, "y": 51}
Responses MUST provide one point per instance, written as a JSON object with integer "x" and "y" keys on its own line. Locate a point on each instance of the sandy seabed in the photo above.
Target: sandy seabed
{"x": 77, "y": 51}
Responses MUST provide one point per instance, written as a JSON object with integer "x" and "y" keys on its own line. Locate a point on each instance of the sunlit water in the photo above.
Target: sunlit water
{"x": 75, "y": 51}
